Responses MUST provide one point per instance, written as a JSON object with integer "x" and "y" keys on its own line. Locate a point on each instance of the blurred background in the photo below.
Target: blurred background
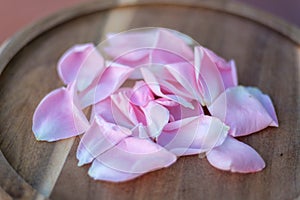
{"x": 15, "y": 14}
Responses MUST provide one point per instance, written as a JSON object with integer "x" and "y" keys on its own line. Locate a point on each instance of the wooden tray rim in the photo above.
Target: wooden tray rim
{"x": 13, "y": 45}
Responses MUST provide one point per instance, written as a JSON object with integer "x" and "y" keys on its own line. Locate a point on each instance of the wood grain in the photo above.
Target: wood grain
{"x": 267, "y": 53}
{"x": 13, "y": 186}
{"x": 4, "y": 195}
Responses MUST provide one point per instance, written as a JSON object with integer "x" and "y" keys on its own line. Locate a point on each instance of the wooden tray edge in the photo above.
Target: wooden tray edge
{"x": 11, "y": 46}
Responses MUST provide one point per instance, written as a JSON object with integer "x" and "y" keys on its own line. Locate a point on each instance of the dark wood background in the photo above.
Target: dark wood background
{"x": 267, "y": 54}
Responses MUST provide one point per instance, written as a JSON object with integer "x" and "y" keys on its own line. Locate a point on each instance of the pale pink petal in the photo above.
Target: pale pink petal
{"x": 141, "y": 94}
{"x": 99, "y": 171}
{"x": 124, "y": 113}
{"x": 142, "y": 46}
{"x": 157, "y": 116}
{"x": 166, "y": 102}
{"x": 112, "y": 78}
{"x": 146, "y": 121}
{"x": 81, "y": 62}
{"x": 145, "y": 47}
{"x": 152, "y": 78}
{"x": 71, "y": 61}
{"x": 230, "y": 77}
{"x": 139, "y": 130}
{"x": 167, "y": 56}
{"x": 57, "y": 117}
{"x": 173, "y": 42}
{"x": 193, "y": 135}
{"x": 208, "y": 76}
{"x": 135, "y": 155}
{"x": 180, "y": 112}
{"x": 153, "y": 57}
{"x": 103, "y": 109}
{"x": 266, "y": 102}
{"x": 184, "y": 75}
{"x": 145, "y": 61}
{"x": 176, "y": 78}
{"x": 118, "y": 45}
{"x": 227, "y": 69}
{"x": 100, "y": 137}
{"x": 235, "y": 156}
{"x": 118, "y": 109}
{"x": 168, "y": 40}
{"x": 245, "y": 112}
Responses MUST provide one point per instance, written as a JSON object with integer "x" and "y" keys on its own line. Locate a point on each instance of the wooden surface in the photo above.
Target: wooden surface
{"x": 267, "y": 54}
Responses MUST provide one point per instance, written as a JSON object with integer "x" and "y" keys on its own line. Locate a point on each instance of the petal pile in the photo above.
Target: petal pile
{"x": 185, "y": 100}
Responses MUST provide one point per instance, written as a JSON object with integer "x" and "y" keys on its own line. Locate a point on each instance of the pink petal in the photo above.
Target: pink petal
{"x": 166, "y": 102}
{"x": 99, "y": 171}
{"x": 57, "y": 117}
{"x": 142, "y": 46}
{"x": 193, "y": 135}
{"x": 145, "y": 47}
{"x": 266, "y": 102}
{"x": 153, "y": 78}
{"x": 83, "y": 63}
{"x": 163, "y": 55}
{"x": 112, "y": 78}
{"x": 118, "y": 46}
{"x": 135, "y": 155}
{"x": 245, "y": 110}
{"x": 235, "y": 156}
{"x": 168, "y": 40}
{"x": 156, "y": 116}
{"x": 179, "y": 112}
{"x": 147, "y": 121}
{"x": 208, "y": 76}
{"x": 103, "y": 109}
{"x": 176, "y": 78}
{"x": 183, "y": 73}
{"x": 71, "y": 61}
{"x": 141, "y": 94}
{"x": 119, "y": 109}
{"x": 100, "y": 137}
{"x": 124, "y": 113}
{"x": 227, "y": 69}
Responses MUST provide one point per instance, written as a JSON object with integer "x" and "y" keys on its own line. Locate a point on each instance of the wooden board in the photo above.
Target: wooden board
{"x": 267, "y": 54}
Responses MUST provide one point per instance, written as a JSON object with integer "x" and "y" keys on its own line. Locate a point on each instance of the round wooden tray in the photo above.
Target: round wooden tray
{"x": 267, "y": 54}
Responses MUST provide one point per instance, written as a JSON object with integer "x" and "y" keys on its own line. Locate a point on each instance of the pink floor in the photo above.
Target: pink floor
{"x": 15, "y": 14}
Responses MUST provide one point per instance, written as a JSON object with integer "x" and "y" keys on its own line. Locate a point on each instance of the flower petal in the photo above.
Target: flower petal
{"x": 57, "y": 117}
{"x": 103, "y": 109}
{"x": 152, "y": 78}
{"x": 193, "y": 135}
{"x": 118, "y": 109}
{"x": 157, "y": 116}
{"x": 124, "y": 113}
{"x": 208, "y": 76}
{"x": 184, "y": 75}
{"x": 81, "y": 62}
{"x": 99, "y": 171}
{"x": 235, "y": 156}
{"x": 112, "y": 78}
{"x": 71, "y": 61}
{"x": 138, "y": 47}
{"x": 266, "y": 102}
{"x": 179, "y": 112}
{"x": 245, "y": 112}
{"x": 141, "y": 94}
{"x": 136, "y": 155}
{"x": 120, "y": 46}
{"x": 100, "y": 137}
{"x": 226, "y": 69}
{"x": 169, "y": 41}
